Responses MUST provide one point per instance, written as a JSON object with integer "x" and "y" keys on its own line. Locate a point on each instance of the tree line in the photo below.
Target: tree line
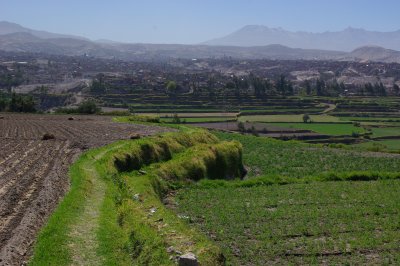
{"x": 17, "y": 103}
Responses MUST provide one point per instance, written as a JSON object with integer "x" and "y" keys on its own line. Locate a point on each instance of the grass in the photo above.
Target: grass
{"x": 65, "y": 217}
{"x": 391, "y": 145}
{"x": 385, "y": 131}
{"x": 325, "y": 128}
{"x": 333, "y": 223}
{"x": 287, "y": 118}
{"x": 198, "y": 119}
{"x": 275, "y": 158}
{"x": 290, "y": 212}
{"x": 372, "y": 119}
{"x": 113, "y": 214}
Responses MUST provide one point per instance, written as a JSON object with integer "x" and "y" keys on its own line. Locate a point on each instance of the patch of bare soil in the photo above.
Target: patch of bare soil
{"x": 33, "y": 170}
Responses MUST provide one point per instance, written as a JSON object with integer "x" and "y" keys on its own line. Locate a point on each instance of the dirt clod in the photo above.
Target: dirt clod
{"x": 135, "y": 136}
{"x": 48, "y": 136}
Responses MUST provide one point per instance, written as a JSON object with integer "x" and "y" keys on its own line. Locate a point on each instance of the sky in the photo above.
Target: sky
{"x": 195, "y": 21}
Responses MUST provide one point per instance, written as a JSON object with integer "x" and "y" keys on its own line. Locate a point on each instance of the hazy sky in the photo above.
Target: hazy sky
{"x": 194, "y": 21}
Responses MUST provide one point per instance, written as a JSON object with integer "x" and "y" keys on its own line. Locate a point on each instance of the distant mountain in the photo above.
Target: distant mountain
{"x": 9, "y": 27}
{"x": 26, "y": 42}
{"x": 346, "y": 40}
{"x": 16, "y": 38}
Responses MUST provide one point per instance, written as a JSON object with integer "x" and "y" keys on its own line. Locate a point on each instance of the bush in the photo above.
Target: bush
{"x": 306, "y": 118}
{"x": 86, "y": 107}
{"x": 176, "y": 119}
{"x": 241, "y": 127}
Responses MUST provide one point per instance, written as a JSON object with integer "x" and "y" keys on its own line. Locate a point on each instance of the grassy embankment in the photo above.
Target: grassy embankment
{"x": 120, "y": 188}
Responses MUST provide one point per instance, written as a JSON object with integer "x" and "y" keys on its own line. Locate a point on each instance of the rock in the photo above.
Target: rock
{"x": 170, "y": 249}
{"x": 153, "y": 210}
{"x": 142, "y": 172}
{"x": 188, "y": 259}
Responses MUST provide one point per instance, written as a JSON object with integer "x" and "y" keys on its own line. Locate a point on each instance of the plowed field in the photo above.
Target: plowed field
{"x": 33, "y": 172}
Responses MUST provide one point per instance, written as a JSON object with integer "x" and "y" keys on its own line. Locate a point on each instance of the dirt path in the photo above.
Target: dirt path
{"x": 83, "y": 245}
{"x": 330, "y": 108}
{"x": 33, "y": 172}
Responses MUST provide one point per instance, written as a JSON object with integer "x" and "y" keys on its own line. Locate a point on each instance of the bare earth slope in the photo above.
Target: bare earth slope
{"x": 33, "y": 172}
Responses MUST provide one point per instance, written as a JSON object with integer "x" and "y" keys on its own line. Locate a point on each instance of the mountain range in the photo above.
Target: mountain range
{"x": 16, "y": 38}
{"x": 346, "y": 40}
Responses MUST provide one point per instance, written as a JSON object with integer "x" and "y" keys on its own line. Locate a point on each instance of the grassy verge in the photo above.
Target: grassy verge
{"x": 132, "y": 224}
{"x": 67, "y": 213}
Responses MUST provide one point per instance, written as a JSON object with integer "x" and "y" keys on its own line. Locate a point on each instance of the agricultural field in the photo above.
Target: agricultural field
{"x": 325, "y": 128}
{"x": 197, "y": 119}
{"x": 33, "y": 171}
{"x": 390, "y": 145}
{"x": 289, "y": 211}
{"x": 378, "y": 132}
{"x": 332, "y": 223}
{"x": 287, "y": 118}
{"x": 292, "y": 159}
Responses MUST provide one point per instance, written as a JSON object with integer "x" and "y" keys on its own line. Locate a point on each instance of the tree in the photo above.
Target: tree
{"x": 241, "y": 127}
{"x": 281, "y": 85}
{"x": 88, "y": 107}
{"x": 22, "y": 103}
{"x": 320, "y": 87}
{"x": 176, "y": 119}
{"x": 306, "y": 118}
{"x": 171, "y": 86}
{"x": 307, "y": 86}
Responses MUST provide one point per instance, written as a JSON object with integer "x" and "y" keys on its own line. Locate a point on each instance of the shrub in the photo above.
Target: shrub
{"x": 176, "y": 119}
{"x": 306, "y": 118}
{"x": 241, "y": 127}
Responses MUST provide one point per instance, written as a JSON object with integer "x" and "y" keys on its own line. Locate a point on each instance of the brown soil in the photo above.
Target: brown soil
{"x": 33, "y": 172}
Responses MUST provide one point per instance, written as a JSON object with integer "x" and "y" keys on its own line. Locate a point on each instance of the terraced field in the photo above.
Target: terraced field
{"x": 33, "y": 172}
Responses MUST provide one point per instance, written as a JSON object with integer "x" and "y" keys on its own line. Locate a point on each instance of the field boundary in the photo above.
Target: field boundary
{"x": 112, "y": 216}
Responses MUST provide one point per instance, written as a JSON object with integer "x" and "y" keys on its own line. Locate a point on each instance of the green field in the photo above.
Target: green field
{"x": 350, "y": 223}
{"x": 373, "y": 119}
{"x": 390, "y": 144}
{"x": 287, "y": 118}
{"x": 385, "y": 131}
{"x": 295, "y": 222}
{"x": 198, "y": 119}
{"x": 325, "y": 128}
{"x": 269, "y": 157}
